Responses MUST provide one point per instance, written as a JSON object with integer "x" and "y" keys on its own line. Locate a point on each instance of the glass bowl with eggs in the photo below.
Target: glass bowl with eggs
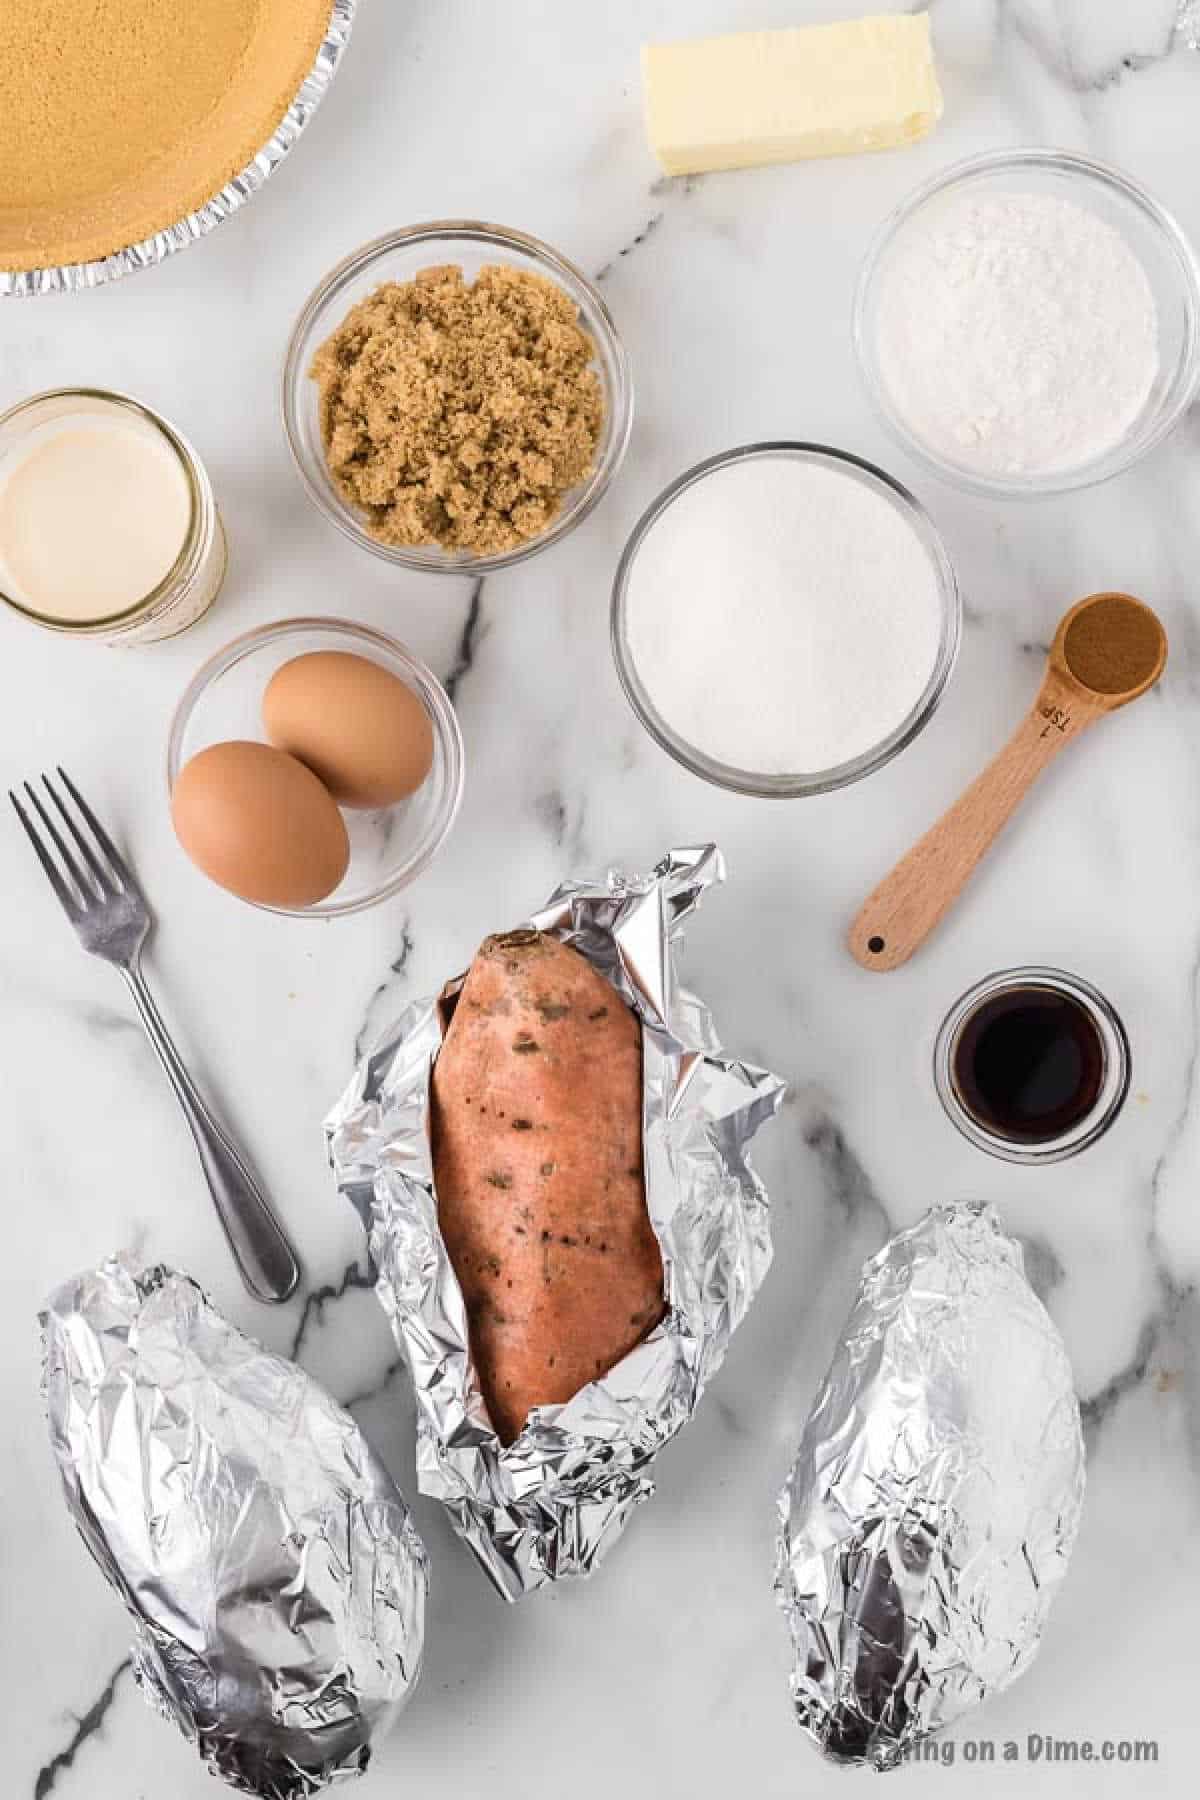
{"x": 314, "y": 767}
{"x": 456, "y": 397}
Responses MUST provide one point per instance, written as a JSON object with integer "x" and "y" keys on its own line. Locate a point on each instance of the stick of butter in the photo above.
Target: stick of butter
{"x": 778, "y": 96}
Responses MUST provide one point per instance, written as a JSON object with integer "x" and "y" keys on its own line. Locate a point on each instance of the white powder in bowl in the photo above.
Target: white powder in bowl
{"x": 783, "y": 614}
{"x": 1016, "y": 333}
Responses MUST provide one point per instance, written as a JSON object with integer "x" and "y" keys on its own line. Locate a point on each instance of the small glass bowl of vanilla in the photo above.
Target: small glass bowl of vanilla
{"x": 108, "y": 525}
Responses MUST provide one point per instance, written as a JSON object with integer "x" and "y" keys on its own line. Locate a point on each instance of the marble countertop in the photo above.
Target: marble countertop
{"x": 667, "y": 1675}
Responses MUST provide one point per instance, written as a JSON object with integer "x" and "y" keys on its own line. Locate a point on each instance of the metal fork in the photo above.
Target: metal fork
{"x": 102, "y": 900}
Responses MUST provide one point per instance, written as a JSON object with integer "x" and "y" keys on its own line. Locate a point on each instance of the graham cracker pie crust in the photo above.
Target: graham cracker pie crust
{"x": 123, "y": 116}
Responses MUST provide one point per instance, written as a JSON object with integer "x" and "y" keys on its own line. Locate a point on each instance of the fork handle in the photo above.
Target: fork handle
{"x": 265, "y": 1259}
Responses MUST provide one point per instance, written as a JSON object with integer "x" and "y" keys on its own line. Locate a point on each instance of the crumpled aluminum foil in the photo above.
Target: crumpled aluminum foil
{"x": 275, "y": 1581}
{"x": 1187, "y": 23}
{"x": 68, "y": 278}
{"x": 931, "y": 1510}
{"x": 552, "y": 1503}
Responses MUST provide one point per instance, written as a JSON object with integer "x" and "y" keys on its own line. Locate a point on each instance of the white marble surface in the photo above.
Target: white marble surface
{"x": 667, "y": 1674}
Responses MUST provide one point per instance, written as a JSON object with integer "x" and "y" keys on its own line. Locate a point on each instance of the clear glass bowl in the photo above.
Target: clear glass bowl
{"x": 816, "y": 781}
{"x": 1152, "y": 235}
{"x": 399, "y": 257}
{"x": 389, "y": 847}
{"x": 1115, "y": 1079}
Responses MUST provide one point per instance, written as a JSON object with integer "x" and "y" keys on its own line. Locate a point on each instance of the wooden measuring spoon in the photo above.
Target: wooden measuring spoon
{"x": 1107, "y": 651}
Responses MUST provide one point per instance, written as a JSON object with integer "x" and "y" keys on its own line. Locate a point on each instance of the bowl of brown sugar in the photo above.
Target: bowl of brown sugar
{"x": 456, "y": 397}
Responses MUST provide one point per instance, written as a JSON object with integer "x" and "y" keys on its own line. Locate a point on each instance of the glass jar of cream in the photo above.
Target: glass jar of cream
{"x": 108, "y": 526}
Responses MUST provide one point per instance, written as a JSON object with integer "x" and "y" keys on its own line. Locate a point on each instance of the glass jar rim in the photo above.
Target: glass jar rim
{"x": 1115, "y": 1081}
{"x": 200, "y": 506}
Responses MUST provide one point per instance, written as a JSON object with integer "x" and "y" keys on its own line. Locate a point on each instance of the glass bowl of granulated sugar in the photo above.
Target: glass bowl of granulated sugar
{"x": 785, "y": 619}
{"x": 1029, "y": 322}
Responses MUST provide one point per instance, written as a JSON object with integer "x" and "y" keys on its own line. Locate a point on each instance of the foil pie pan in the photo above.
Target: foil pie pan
{"x": 70, "y": 278}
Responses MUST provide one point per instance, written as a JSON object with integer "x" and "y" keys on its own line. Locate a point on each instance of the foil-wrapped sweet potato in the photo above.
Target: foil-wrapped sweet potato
{"x": 933, "y": 1504}
{"x": 272, "y": 1573}
{"x": 537, "y": 1147}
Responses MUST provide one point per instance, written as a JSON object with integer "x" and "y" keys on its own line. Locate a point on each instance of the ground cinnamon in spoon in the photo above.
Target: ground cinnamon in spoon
{"x": 1114, "y": 645}
{"x": 459, "y": 413}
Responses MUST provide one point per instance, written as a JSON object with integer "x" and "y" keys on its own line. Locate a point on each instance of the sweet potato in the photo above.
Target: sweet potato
{"x": 537, "y": 1155}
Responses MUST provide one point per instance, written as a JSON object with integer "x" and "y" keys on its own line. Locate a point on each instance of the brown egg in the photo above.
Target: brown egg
{"x": 260, "y": 824}
{"x": 353, "y": 722}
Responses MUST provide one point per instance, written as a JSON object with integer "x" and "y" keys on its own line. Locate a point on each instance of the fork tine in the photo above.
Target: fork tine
{"x": 119, "y": 865}
{"x": 85, "y": 892}
{"x": 66, "y": 898}
{"x": 104, "y": 876}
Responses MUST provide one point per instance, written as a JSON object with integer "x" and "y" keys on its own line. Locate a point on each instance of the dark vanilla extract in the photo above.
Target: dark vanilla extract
{"x": 1029, "y": 1064}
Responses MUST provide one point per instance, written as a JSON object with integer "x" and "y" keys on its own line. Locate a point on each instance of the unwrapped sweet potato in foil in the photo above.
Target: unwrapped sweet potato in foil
{"x": 654, "y": 1146}
{"x": 275, "y": 1581}
{"x": 931, "y": 1510}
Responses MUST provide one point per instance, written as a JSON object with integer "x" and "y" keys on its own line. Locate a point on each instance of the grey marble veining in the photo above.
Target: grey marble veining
{"x": 666, "y": 1676}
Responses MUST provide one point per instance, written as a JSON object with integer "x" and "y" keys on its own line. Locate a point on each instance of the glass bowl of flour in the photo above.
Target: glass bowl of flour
{"x": 785, "y": 619}
{"x": 1029, "y": 322}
